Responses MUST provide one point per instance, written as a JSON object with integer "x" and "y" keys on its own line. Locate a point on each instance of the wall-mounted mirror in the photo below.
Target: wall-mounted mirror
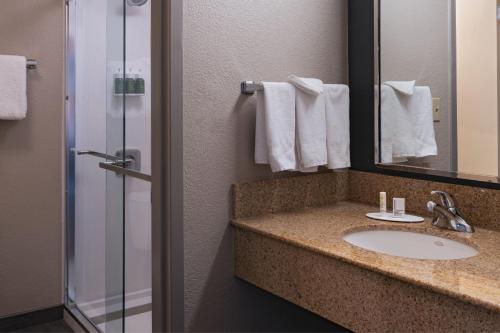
{"x": 439, "y": 96}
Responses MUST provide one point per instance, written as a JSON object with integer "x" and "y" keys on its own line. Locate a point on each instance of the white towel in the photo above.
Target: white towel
{"x": 407, "y": 125}
{"x": 275, "y": 127}
{"x": 305, "y": 86}
{"x": 13, "y": 99}
{"x": 388, "y": 103}
{"x": 420, "y": 108}
{"x": 398, "y": 139}
{"x": 404, "y": 87}
{"x": 311, "y": 129}
{"x": 338, "y": 126}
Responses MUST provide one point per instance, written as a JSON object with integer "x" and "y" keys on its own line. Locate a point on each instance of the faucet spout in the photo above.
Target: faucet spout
{"x": 447, "y": 215}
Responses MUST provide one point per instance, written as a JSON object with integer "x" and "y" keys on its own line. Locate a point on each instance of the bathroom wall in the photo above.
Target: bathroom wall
{"x": 498, "y": 79}
{"x": 477, "y": 80}
{"x": 31, "y": 162}
{"x": 225, "y": 42}
{"x": 415, "y": 45}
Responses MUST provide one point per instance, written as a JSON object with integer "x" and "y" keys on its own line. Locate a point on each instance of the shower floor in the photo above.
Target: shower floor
{"x": 137, "y": 313}
{"x": 137, "y": 323}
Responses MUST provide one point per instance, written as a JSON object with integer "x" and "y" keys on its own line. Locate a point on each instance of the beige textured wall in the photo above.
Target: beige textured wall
{"x": 225, "y": 42}
{"x": 31, "y": 162}
{"x": 477, "y": 80}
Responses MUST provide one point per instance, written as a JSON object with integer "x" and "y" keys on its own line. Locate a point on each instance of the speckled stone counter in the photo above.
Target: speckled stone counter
{"x": 302, "y": 257}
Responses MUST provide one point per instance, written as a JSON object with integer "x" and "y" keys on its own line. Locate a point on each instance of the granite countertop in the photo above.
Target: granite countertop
{"x": 475, "y": 280}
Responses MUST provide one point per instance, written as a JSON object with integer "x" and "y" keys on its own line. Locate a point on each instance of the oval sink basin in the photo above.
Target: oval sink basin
{"x": 410, "y": 245}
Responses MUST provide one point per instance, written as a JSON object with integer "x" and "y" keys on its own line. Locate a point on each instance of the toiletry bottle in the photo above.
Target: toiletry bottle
{"x": 130, "y": 82}
{"x": 118, "y": 78}
{"x": 140, "y": 84}
{"x": 383, "y": 202}
{"x": 399, "y": 206}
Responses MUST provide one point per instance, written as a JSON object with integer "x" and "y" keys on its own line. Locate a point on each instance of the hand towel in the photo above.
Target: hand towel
{"x": 388, "y": 103}
{"x": 305, "y": 86}
{"x": 420, "y": 109}
{"x": 407, "y": 125}
{"x": 337, "y": 126}
{"x": 311, "y": 128}
{"x": 275, "y": 127}
{"x": 398, "y": 139}
{"x": 13, "y": 99}
{"x": 404, "y": 87}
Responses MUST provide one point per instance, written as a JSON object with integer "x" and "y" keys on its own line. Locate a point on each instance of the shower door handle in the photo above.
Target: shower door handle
{"x": 100, "y": 155}
{"x": 118, "y": 167}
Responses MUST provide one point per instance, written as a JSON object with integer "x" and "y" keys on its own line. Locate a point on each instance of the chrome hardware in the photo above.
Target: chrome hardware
{"x": 136, "y": 3}
{"x": 447, "y": 215}
{"x": 100, "y": 155}
{"x": 31, "y": 64}
{"x": 446, "y": 199}
{"x": 122, "y": 165}
{"x": 119, "y": 169}
{"x": 251, "y": 87}
{"x": 132, "y": 154}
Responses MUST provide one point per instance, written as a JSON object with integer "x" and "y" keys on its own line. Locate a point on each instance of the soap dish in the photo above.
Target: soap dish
{"x": 399, "y": 219}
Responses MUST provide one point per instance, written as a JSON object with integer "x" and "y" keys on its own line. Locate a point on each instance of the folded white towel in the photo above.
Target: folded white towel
{"x": 311, "y": 129}
{"x": 407, "y": 125}
{"x": 403, "y": 87}
{"x": 337, "y": 126}
{"x": 305, "y": 85}
{"x": 388, "y": 103}
{"x": 13, "y": 99}
{"x": 398, "y": 139}
{"x": 420, "y": 108}
{"x": 275, "y": 127}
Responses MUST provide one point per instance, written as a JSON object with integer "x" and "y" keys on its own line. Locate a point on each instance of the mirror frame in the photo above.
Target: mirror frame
{"x": 363, "y": 68}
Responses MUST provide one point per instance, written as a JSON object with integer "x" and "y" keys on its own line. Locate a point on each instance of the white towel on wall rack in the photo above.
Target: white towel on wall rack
{"x": 13, "y": 94}
{"x": 407, "y": 125}
{"x": 275, "y": 126}
{"x": 420, "y": 107}
{"x": 404, "y": 87}
{"x": 338, "y": 126}
{"x": 311, "y": 128}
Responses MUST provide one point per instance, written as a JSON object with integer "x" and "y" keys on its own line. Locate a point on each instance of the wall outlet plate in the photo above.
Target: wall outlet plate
{"x": 436, "y": 109}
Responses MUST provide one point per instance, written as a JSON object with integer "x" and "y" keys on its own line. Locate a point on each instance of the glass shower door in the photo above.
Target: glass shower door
{"x": 108, "y": 182}
{"x": 128, "y": 188}
{"x": 114, "y": 253}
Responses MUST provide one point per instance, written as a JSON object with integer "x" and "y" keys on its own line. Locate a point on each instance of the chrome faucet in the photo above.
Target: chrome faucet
{"x": 447, "y": 215}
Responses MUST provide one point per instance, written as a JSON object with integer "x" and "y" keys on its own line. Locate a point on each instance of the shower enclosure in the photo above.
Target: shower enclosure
{"x": 108, "y": 229}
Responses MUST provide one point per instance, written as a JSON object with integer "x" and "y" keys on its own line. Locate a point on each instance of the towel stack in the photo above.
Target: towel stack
{"x": 302, "y": 125}
{"x": 407, "y": 126}
{"x": 13, "y": 100}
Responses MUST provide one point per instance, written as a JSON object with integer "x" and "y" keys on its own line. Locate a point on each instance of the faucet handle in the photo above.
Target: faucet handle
{"x": 430, "y": 206}
{"x": 446, "y": 199}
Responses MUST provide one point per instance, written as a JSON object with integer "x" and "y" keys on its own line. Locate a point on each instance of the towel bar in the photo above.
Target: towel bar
{"x": 251, "y": 87}
{"x": 31, "y": 64}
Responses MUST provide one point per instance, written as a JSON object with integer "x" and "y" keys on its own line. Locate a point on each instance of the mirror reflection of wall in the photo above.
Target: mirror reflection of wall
{"x": 439, "y": 85}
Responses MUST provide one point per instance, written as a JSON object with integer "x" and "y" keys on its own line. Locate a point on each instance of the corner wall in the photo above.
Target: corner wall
{"x": 477, "y": 81}
{"x": 31, "y": 162}
{"x": 226, "y": 42}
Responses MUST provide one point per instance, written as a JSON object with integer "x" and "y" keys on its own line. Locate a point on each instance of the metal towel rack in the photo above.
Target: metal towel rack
{"x": 251, "y": 87}
{"x": 31, "y": 64}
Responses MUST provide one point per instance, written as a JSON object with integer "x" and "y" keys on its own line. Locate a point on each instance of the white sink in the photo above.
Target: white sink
{"x": 410, "y": 245}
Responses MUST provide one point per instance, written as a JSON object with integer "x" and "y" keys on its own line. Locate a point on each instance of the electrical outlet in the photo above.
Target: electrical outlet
{"x": 436, "y": 109}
